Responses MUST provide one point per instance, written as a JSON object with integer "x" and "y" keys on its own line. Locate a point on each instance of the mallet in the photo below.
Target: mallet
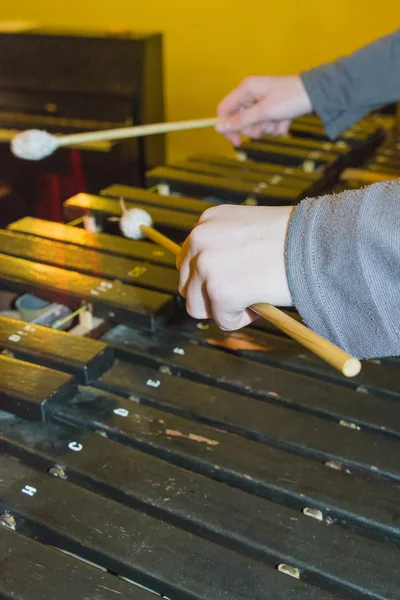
{"x": 137, "y": 223}
{"x": 36, "y": 145}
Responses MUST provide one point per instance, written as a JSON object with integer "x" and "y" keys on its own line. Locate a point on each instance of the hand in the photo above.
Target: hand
{"x": 262, "y": 105}
{"x": 234, "y": 258}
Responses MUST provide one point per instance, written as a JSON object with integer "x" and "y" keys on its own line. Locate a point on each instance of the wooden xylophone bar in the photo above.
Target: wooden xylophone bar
{"x": 165, "y": 457}
{"x": 107, "y": 267}
{"x": 102, "y": 243}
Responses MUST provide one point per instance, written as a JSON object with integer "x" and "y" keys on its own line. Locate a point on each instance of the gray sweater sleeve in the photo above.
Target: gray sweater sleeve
{"x": 345, "y": 91}
{"x": 343, "y": 266}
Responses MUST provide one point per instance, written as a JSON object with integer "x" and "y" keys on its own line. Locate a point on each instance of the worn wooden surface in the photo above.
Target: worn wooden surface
{"x": 256, "y": 343}
{"x": 34, "y": 571}
{"x": 264, "y": 382}
{"x": 260, "y": 421}
{"x": 185, "y": 459}
{"x": 227, "y": 517}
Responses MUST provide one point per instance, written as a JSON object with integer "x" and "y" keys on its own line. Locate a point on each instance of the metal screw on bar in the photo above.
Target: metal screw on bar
{"x": 290, "y": 571}
{"x": 7, "y": 520}
{"x": 313, "y": 513}
{"x": 58, "y": 471}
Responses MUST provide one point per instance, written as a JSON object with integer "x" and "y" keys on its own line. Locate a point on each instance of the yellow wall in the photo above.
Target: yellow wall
{"x": 211, "y": 45}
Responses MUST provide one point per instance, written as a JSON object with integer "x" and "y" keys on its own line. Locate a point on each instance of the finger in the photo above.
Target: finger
{"x": 280, "y": 128}
{"x": 254, "y": 132}
{"x": 283, "y": 127}
{"x": 187, "y": 268}
{"x": 182, "y": 254}
{"x": 190, "y": 248}
{"x": 242, "y": 95}
{"x": 232, "y": 320}
{"x": 257, "y": 113}
{"x": 233, "y": 138}
{"x": 272, "y": 130}
{"x": 269, "y": 128}
{"x": 227, "y": 313}
{"x": 198, "y": 303}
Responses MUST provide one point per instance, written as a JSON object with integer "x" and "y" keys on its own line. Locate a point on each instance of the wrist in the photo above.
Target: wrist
{"x": 285, "y": 297}
{"x": 305, "y": 103}
{"x": 273, "y": 285}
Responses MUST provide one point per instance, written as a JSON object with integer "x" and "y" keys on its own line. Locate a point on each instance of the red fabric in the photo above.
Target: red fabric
{"x": 54, "y": 188}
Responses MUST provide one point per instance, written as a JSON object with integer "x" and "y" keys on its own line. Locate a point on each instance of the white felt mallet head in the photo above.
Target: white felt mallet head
{"x": 132, "y": 220}
{"x": 33, "y": 144}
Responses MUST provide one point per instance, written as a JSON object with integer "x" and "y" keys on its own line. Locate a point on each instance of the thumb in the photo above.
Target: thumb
{"x": 233, "y": 320}
{"x": 257, "y": 113}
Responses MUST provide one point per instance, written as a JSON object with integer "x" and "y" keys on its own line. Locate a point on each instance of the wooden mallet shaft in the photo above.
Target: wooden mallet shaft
{"x": 160, "y": 239}
{"x": 331, "y": 354}
{"x": 132, "y": 132}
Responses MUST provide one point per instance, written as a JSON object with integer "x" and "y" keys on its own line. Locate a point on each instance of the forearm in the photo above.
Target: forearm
{"x": 343, "y": 268}
{"x": 345, "y": 91}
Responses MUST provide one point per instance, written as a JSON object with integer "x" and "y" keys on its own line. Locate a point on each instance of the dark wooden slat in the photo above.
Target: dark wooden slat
{"x": 301, "y": 185}
{"x": 33, "y": 571}
{"x": 282, "y": 352}
{"x": 26, "y": 390}
{"x": 324, "y": 554}
{"x": 275, "y": 425}
{"x": 89, "y": 262}
{"x": 166, "y": 220}
{"x": 136, "y": 545}
{"x": 356, "y": 139}
{"x": 317, "y": 131}
{"x": 84, "y": 358}
{"x": 244, "y": 170}
{"x": 146, "y": 198}
{"x": 290, "y": 141}
{"x": 265, "y": 471}
{"x": 114, "y": 301}
{"x": 294, "y": 157}
{"x": 251, "y": 166}
{"x": 226, "y": 371}
{"x": 369, "y": 124}
{"x": 310, "y": 183}
{"x": 234, "y": 191}
{"x": 101, "y": 242}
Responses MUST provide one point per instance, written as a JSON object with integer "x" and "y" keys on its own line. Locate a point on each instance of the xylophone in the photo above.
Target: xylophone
{"x": 144, "y": 453}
